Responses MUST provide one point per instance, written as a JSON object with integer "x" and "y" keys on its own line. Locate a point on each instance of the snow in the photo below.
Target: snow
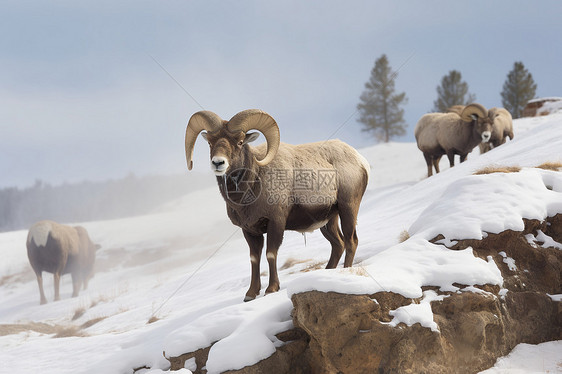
{"x": 529, "y": 358}
{"x": 551, "y": 107}
{"x": 508, "y": 260}
{"x": 547, "y": 240}
{"x": 188, "y": 266}
{"x": 417, "y": 313}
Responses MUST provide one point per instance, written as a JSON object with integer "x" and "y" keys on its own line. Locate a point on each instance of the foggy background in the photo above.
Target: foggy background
{"x": 91, "y": 90}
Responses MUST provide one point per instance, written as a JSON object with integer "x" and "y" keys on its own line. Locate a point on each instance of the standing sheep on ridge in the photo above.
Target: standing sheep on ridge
{"x": 451, "y": 133}
{"x": 281, "y": 187}
{"x": 61, "y": 249}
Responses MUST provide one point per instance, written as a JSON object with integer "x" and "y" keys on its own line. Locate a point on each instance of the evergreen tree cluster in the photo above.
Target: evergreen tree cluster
{"x": 380, "y": 107}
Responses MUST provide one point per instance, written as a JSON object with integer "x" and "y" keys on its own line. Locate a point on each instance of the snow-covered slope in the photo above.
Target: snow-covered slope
{"x": 188, "y": 266}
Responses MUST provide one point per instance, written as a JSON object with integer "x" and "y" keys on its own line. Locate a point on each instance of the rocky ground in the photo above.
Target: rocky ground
{"x": 340, "y": 333}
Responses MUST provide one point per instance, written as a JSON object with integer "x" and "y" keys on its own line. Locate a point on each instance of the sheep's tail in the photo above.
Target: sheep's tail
{"x": 39, "y": 233}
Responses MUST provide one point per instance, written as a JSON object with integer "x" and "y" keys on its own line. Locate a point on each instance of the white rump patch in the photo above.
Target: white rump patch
{"x": 39, "y": 233}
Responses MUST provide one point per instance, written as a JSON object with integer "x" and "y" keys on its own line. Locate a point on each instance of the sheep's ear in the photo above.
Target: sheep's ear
{"x": 204, "y": 135}
{"x": 251, "y": 137}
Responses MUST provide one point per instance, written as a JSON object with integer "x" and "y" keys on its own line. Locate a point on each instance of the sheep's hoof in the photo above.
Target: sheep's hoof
{"x": 248, "y": 298}
{"x": 271, "y": 289}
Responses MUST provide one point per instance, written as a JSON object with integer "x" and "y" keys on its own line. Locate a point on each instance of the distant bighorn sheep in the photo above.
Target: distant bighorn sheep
{"x": 61, "y": 249}
{"x": 281, "y": 187}
{"x": 452, "y": 133}
{"x": 502, "y": 127}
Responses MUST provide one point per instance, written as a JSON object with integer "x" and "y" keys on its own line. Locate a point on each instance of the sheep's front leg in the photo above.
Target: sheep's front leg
{"x": 275, "y": 232}
{"x": 255, "y": 242}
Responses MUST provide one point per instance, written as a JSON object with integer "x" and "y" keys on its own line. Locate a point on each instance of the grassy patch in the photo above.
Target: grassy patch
{"x": 292, "y": 262}
{"x": 404, "y": 235}
{"x": 498, "y": 169}
{"x": 551, "y": 165}
{"x": 78, "y": 313}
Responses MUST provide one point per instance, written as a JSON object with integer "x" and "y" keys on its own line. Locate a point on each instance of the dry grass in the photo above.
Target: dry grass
{"x": 314, "y": 266}
{"x": 551, "y": 165}
{"x": 78, "y": 313}
{"x": 358, "y": 270}
{"x": 497, "y": 169}
{"x": 91, "y": 322}
{"x": 68, "y": 331}
{"x": 292, "y": 262}
{"x": 404, "y": 235}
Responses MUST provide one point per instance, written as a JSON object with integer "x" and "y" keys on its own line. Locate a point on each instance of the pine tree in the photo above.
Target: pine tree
{"x": 380, "y": 107}
{"x": 518, "y": 89}
{"x": 453, "y": 91}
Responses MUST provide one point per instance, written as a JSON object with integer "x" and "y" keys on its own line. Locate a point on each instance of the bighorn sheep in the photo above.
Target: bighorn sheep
{"x": 61, "y": 249}
{"x": 451, "y": 133}
{"x": 502, "y": 127}
{"x": 281, "y": 187}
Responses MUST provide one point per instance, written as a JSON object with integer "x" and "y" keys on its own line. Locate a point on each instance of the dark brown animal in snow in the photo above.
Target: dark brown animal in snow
{"x": 61, "y": 249}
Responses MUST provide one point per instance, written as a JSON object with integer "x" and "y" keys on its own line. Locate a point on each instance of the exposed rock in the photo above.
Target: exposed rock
{"x": 340, "y": 333}
{"x": 533, "y": 108}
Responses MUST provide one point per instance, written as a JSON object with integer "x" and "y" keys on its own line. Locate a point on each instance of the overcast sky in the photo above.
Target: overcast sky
{"x": 83, "y": 95}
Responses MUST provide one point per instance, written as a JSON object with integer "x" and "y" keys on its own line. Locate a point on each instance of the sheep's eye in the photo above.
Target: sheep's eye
{"x": 240, "y": 143}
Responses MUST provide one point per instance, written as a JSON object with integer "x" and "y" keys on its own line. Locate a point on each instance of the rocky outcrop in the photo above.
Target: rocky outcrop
{"x": 533, "y": 107}
{"x": 340, "y": 333}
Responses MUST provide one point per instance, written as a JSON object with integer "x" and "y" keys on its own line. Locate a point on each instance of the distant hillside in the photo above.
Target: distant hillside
{"x": 87, "y": 201}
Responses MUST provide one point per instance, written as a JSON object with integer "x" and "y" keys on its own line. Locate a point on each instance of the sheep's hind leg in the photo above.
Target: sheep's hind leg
{"x": 76, "y": 283}
{"x": 451, "y": 157}
{"x": 428, "y": 161}
{"x": 41, "y": 291}
{"x": 255, "y": 242}
{"x": 56, "y": 278}
{"x": 436, "y": 164}
{"x": 348, "y": 217}
{"x": 332, "y": 232}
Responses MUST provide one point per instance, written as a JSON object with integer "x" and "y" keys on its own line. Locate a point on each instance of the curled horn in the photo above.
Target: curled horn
{"x": 255, "y": 119}
{"x": 473, "y": 109}
{"x": 203, "y": 120}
